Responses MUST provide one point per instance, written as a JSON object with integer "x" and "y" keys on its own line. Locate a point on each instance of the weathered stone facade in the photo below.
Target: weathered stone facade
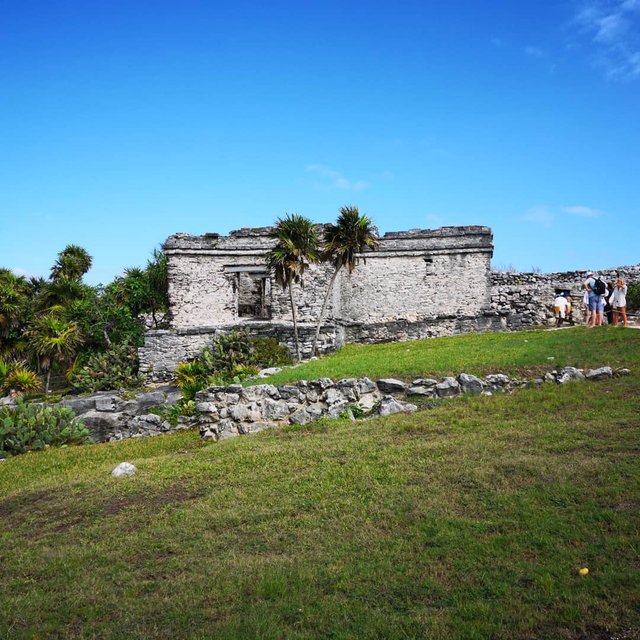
{"x": 417, "y": 283}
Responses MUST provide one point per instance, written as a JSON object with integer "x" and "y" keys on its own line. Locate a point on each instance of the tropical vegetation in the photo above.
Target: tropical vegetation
{"x": 61, "y": 331}
{"x": 228, "y": 358}
{"x": 30, "y": 427}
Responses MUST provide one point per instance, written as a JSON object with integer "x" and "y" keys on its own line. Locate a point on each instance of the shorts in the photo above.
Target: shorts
{"x": 596, "y": 303}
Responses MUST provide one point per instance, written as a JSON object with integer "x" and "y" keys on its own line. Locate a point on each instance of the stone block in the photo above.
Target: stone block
{"x": 416, "y": 390}
{"x": 390, "y": 405}
{"x": 391, "y": 385}
{"x": 600, "y": 373}
{"x": 448, "y": 388}
{"x": 80, "y": 405}
{"x": 567, "y": 374}
{"x": 107, "y": 403}
{"x": 470, "y": 384}
{"x": 275, "y": 409}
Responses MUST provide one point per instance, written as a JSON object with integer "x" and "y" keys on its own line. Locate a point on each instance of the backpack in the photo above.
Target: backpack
{"x": 599, "y": 287}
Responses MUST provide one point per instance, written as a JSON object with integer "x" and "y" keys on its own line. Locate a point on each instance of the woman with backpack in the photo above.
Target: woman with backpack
{"x": 597, "y": 289}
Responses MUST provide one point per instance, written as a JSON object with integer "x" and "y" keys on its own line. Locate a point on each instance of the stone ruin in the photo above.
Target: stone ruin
{"x": 416, "y": 284}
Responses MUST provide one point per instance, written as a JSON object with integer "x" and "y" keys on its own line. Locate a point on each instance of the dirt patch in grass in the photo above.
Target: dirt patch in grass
{"x": 45, "y": 512}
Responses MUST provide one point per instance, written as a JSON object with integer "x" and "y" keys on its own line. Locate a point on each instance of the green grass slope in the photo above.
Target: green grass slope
{"x": 469, "y": 520}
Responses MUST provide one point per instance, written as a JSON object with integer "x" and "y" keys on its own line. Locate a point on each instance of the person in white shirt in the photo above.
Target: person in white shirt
{"x": 561, "y": 307}
{"x": 619, "y": 303}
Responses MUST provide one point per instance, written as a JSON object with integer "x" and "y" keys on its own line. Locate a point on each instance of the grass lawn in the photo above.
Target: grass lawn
{"x": 469, "y": 520}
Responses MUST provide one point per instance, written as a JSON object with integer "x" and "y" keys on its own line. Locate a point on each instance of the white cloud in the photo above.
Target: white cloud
{"x": 539, "y": 215}
{"x": 335, "y": 179}
{"x": 613, "y": 27}
{"x": 586, "y": 212}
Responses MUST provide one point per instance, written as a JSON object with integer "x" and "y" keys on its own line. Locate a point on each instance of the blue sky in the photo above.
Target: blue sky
{"x": 123, "y": 122}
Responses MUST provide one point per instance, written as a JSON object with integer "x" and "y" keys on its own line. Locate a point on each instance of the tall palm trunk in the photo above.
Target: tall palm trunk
{"x": 295, "y": 321}
{"x": 314, "y": 350}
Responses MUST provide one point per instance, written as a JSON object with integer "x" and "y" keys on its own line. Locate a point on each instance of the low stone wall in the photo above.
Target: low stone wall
{"x": 236, "y": 410}
{"x": 437, "y": 326}
{"x": 164, "y": 349}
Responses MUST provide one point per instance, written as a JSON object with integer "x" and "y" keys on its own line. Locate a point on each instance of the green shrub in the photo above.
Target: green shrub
{"x": 16, "y": 376}
{"x": 27, "y": 427}
{"x": 633, "y": 297}
{"x": 230, "y": 358}
{"x": 268, "y": 352}
{"x": 116, "y": 368}
{"x": 183, "y": 408}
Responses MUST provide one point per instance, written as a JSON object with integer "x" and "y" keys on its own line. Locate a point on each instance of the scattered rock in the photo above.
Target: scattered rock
{"x": 599, "y": 374}
{"x": 124, "y": 469}
{"x": 391, "y": 385}
{"x": 568, "y": 374}
{"x": 389, "y": 405}
{"x": 448, "y": 388}
{"x": 265, "y": 373}
{"x": 470, "y": 384}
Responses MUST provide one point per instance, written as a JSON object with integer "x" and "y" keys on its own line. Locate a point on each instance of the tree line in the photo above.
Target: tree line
{"x": 59, "y": 325}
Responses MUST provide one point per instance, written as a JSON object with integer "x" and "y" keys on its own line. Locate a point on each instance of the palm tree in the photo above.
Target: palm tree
{"x": 352, "y": 234}
{"x": 14, "y": 297}
{"x": 72, "y": 262}
{"x": 53, "y": 339}
{"x": 295, "y": 249}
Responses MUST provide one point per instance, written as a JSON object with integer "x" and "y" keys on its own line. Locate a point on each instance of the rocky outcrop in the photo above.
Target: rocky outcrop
{"x": 111, "y": 415}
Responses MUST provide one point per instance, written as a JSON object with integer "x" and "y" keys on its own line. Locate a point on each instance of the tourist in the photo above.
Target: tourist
{"x": 569, "y": 310}
{"x": 560, "y": 308}
{"x": 596, "y": 302}
{"x": 619, "y": 303}
{"x": 585, "y": 305}
{"x": 608, "y": 307}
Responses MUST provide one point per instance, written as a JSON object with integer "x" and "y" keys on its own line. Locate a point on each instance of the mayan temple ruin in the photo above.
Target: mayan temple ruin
{"x": 416, "y": 284}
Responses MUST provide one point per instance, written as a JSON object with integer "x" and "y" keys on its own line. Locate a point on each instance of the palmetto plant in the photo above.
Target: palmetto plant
{"x": 53, "y": 339}
{"x": 297, "y": 246}
{"x": 352, "y": 234}
{"x": 16, "y": 376}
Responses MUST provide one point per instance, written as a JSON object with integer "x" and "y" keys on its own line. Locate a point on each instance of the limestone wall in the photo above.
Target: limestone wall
{"x": 412, "y": 275}
{"x": 526, "y": 299}
{"x": 164, "y": 349}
